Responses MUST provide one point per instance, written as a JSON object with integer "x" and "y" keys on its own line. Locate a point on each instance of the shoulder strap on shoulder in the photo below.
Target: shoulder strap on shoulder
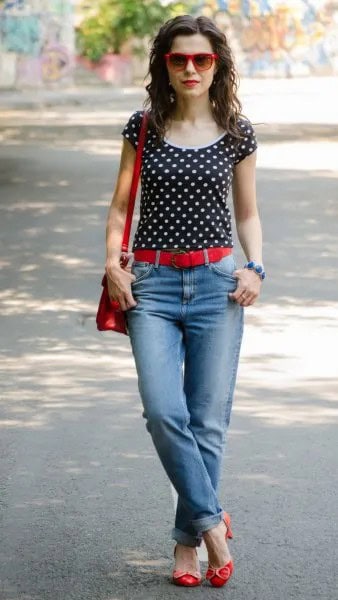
{"x": 135, "y": 180}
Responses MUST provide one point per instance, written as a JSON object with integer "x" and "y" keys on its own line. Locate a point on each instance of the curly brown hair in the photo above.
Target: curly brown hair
{"x": 226, "y": 107}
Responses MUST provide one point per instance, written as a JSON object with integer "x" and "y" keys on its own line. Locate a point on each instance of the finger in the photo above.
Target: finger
{"x": 245, "y": 303}
{"x": 239, "y": 295}
{"x": 248, "y": 300}
{"x": 111, "y": 293}
{"x": 236, "y": 294}
{"x": 130, "y": 274}
{"x": 121, "y": 303}
{"x": 253, "y": 298}
{"x": 234, "y": 299}
{"x": 130, "y": 301}
{"x": 117, "y": 298}
{"x": 242, "y": 297}
{"x": 113, "y": 296}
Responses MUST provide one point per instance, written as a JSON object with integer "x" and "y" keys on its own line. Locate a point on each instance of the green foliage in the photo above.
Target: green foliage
{"x": 116, "y": 21}
{"x": 95, "y": 36}
{"x": 190, "y": 7}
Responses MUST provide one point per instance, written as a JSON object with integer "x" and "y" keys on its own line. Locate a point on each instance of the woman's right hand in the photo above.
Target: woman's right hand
{"x": 119, "y": 285}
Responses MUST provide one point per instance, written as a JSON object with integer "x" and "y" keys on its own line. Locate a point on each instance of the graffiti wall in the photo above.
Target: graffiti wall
{"x": 36, "y": 43}
{"x": 279, "y": 38}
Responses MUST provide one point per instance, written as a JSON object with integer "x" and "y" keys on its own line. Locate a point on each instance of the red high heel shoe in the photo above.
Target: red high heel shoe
{"x": 219, "y": 577}
{"x": 186, "y": 578}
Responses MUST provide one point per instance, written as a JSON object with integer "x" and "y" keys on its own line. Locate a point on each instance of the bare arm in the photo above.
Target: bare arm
{"x": 119, "y": 280}
{"x": 248, "y": 227}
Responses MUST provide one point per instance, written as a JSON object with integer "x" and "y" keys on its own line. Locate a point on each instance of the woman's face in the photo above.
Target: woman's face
{"x": 191, "y": 44}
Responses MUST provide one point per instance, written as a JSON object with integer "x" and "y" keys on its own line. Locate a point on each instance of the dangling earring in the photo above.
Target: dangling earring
{"x": 212, "y": 87}
{"x": 171, "y": 93}
{"x": 211, "y": 92}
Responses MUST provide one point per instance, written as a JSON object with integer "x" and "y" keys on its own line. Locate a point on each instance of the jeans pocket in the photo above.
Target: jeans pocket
{"x": 141, "y": 270}
{"x": 224, "y": 267}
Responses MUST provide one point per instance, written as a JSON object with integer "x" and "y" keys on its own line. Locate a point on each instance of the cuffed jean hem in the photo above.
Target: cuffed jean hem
{"x": 207, "y": 522}
{"x": 184, "y": 538}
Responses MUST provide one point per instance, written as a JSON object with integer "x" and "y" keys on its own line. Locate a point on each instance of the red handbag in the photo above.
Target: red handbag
{"x": 109, "y": 315}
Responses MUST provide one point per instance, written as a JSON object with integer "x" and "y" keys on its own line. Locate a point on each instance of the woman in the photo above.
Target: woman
{"x": 184, "y": 297}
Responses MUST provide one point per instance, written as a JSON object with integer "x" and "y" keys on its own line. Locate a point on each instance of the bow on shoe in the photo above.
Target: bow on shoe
{"x": 187, "y": 578}
{"x": 219, "y": 577}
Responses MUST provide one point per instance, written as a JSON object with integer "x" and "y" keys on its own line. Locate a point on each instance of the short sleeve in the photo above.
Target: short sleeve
{"x": 131, "y": 130}
{"x": 248, "y": 142}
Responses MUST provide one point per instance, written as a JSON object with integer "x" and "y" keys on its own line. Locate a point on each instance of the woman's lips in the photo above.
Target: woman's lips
{"x": 190, "y": 83}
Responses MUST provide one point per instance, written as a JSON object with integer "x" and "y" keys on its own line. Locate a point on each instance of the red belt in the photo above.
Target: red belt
{"x": 182, "y": 259}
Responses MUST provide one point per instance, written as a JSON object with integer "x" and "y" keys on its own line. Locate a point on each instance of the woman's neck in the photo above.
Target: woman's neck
{"x": 192, "y": 110}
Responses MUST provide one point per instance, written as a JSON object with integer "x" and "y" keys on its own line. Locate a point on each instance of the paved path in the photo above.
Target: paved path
{"x": 297, "y": 100}
{"x": 86, "y": 510}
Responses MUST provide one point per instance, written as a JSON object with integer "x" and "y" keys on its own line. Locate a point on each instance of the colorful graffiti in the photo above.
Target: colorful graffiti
{"x": 280, "y": 37}
{"x": 14, "y": 4}
{"x": 55, "y": 63}
{"x": 21, "y": 34}
{"x": 36, "y": 42}
{"x": 56, "y": 7}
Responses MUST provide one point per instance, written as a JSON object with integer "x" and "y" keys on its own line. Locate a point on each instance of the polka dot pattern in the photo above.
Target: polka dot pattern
{"x": 184, "y": 190}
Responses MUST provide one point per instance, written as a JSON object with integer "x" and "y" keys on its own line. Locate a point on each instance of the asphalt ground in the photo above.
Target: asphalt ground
{"x": 85, "y": 507}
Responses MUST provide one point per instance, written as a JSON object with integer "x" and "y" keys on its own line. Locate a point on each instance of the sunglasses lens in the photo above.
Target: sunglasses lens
{"x": 177, "y": 61}
{"x": 203, "y": 61}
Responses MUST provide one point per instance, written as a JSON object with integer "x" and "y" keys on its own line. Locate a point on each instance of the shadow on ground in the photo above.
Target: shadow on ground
{"x": 86, "y": 508}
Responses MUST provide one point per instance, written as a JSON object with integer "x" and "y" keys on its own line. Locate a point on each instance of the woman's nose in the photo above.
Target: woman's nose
{"x": 190, "y": 67}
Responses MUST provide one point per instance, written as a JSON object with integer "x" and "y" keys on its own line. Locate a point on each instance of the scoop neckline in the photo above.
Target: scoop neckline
{"x": 194, "y": 147}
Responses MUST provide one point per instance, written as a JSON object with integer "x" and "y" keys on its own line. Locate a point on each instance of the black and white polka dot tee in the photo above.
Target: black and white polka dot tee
{"x": 184, "y": 190}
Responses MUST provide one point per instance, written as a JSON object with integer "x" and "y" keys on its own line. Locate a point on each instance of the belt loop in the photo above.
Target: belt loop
{"x": 157, "y": 259}
{"x": 206, "y": 256}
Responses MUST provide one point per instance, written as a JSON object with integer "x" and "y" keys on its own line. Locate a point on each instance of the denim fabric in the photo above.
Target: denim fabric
{"x": 186, "y": 335}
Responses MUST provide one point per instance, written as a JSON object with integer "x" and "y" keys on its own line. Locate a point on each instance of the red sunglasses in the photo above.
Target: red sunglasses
{"x": 178, "y": 60}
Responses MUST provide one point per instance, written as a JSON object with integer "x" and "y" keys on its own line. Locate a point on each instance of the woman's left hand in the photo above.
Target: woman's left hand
{"x": 248, "y": 287}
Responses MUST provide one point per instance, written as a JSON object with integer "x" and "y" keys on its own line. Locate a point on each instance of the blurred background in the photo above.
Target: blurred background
{"x": 53, "y": 43}
{"x": 85, "y": 507}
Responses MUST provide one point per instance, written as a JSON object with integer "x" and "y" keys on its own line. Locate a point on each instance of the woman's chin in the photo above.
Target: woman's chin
{"x": 191, "y": 92}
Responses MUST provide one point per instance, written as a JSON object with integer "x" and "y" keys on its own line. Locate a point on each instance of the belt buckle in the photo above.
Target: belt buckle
{"x": 172, "y": 258}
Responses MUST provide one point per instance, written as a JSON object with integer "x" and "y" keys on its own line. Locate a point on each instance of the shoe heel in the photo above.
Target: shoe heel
{"x": 227, "y": 520}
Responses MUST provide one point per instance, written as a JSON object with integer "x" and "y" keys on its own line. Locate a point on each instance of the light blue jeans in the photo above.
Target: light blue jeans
{"x": 186, "y": 335}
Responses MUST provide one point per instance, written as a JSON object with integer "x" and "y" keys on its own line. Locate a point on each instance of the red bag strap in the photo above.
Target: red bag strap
{"x": 135, "y": 180}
